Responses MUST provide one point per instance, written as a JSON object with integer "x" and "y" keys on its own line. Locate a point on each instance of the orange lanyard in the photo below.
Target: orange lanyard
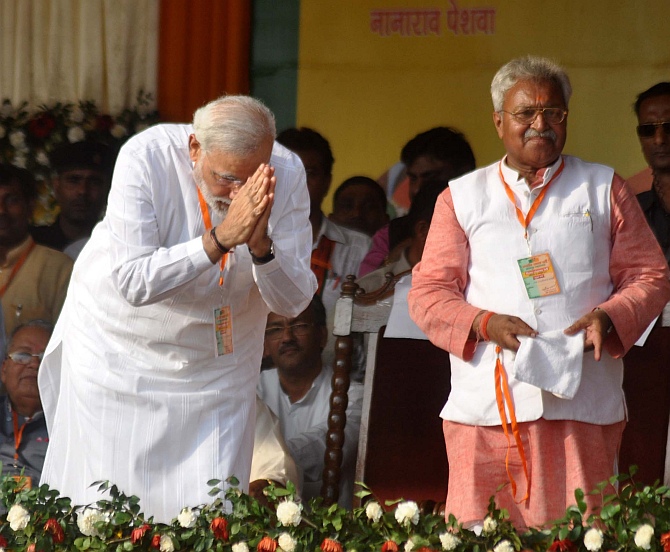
{"x": 208, "y": 226}
{"x": 18, "y": 433}
{"x": 525, "y": 221}
{"x": 17, "y": 267}
{"x": 320, "y": 262}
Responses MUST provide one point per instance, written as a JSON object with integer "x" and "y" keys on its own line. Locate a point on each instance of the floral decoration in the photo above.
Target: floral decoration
{"x": 40, "y": 520}
{"x": 28, "y": 136}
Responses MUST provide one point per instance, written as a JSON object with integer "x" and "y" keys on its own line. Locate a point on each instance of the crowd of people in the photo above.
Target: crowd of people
{"x": 192, "y": 339}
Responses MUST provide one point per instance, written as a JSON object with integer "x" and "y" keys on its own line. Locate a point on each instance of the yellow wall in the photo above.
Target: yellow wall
{"x": 369, "y": 94}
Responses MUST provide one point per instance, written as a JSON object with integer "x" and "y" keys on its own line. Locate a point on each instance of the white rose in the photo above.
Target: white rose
{"x": 288, "y": 513}
{"x": 286, "y": 542}
{"x": 449, "y": 541}
{"x": 593, "y": 539}
{"x": 18, "y": 517}
{"x": 490, "y": 526}
{"x": 374, "y": 511}
{"x": 77, "y": 114}
{"x": 643, "y": 536}
{"x": 118, "y": 131}
{"x": 166, "y": 544}
{"x": 240, "y": 547}
{"x": 42, "y": 158}
{"x": 87, "y": 519}
{"x": 17, "y": 138}
{"x": 409, "y": 545}
{"x": 187, "y": 518}
{"x": 6, "y": 110}
{"x": 75, "y": 134}
{"x": 19, "y": 161}
{"x": 503, "y": 546}
{"x": 3, "y": 131}
{"x": 407, "y": 512}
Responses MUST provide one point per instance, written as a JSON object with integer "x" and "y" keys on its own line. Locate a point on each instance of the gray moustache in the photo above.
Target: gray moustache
{"x": 532, "y": 133}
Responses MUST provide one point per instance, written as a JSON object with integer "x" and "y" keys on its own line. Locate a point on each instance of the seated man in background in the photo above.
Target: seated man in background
{"x": 298, "y": 392}
{"x": 33, "y": 278}
{"x": 360, "y": 203}
{"x": 441, "y": 153}
{"x": 23, "y": 432}
{"x": 408, "y": 253}
{"x": 82, "y": 174}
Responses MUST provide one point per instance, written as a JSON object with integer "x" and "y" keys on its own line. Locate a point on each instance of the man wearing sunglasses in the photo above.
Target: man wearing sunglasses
{"x": 652, "y": 108}
{"x": 538, "y": 274}
{"x": 23, "y": 431}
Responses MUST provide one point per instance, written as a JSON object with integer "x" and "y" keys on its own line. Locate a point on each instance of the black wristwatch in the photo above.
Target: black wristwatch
{"x": 265, "y": 258}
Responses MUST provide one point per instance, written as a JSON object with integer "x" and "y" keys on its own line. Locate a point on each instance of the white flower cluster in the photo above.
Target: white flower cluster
{"x": 374, "y": 511}
{"x": 87, "y": 519}
{"x": 593, "y": 539}
{"x": 18, "y": 517}
{"x": 409, "y": 545}
{"x": 643, "y": 536}
{"x": 504, "y": 546}
{"x": 240, "y": 547}
{"x": 490, "y": 526}
{"x": 289, "y": 513}
{"x": 407, "y": 512}
{"x": 286, "y": 542}
{"x": 449, "y": 541}
{"x": 166, "y": 544}
{"x": 187, "y": 518}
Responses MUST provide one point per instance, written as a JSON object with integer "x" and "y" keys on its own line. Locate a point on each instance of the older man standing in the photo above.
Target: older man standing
{"x": 149, "y": 379}
{"x": 539, "y": 272}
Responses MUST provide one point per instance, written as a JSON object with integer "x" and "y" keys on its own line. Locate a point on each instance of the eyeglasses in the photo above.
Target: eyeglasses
{"x": 527, "y": 115}
{"x": 227, "y": 180}
{"x": 25, "y": 358}
{"x": 299, "y": 329}
{"x": 647, "y": 130}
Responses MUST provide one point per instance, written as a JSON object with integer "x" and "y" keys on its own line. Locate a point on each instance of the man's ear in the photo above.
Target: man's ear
{"x": 3, "y": 371}
{"x": 194, "y": 148}
{"x": 497, "y": 121}
{"x": 421, "y": 229}
{"x": 323, "y": 337}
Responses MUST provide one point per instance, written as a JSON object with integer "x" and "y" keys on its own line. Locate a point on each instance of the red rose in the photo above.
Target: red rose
{"x": 57, "y": 534}
{"x": 665, "y": 541}
{"x": 156, "y": 541}
{"x": 565, "y": 545}
{"x": 41, "y": 125}
{"x": 31, "y": 547}
{"x": 267, "y": 544}
{"x": 330, "y": 545}
{"x": 138, "y": 533}
{"x": 389, "y": 546}
{"x": 3, "y": 542}
{"x": 104, "y": 122}
{"x": 219, "y": 527}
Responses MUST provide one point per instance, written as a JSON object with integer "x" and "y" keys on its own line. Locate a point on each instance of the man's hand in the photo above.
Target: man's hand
{"x": 596, "y": 324}
{"x": 503, "y": 329}
{"x": 249, "y": 211}
{"x": 259, "y": 242}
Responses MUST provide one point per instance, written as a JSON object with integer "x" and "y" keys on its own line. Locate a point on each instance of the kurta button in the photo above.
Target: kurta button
{"x": 538, "y": 311}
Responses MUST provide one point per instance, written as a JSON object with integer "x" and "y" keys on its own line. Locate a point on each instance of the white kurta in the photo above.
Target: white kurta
{"x": 131, "y": 386}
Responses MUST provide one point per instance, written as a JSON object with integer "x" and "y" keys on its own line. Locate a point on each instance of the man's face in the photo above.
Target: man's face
{"x": 20, "y": 379}
{"x": 318, "y": 178}
{"x": 294, "y": 344}
{"x": 426, "y": 168}
{"x": 81, "y": 194}
{"x": 14, "y": 214}
{"x": 656, "y": 148}
{"x": 359, "y": 207}
{"x": 220, "y": 175}
{"x": 531, "y": 146}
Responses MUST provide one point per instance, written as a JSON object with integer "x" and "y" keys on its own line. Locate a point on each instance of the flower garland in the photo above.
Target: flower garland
{"x": 27, "y": 137}
{"x": 634, "y": 519}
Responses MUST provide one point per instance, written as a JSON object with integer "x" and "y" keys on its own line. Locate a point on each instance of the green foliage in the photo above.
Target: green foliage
{"x": 633, "y": 518}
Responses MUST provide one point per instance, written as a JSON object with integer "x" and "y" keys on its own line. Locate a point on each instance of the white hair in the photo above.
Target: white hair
{"x": 529, "y": 68}
{"x": 240, "y": 125}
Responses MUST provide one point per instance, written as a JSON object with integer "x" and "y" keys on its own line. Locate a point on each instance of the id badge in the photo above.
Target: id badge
{"x": 223, "y": 330}
{"x": 539, "y": 276}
